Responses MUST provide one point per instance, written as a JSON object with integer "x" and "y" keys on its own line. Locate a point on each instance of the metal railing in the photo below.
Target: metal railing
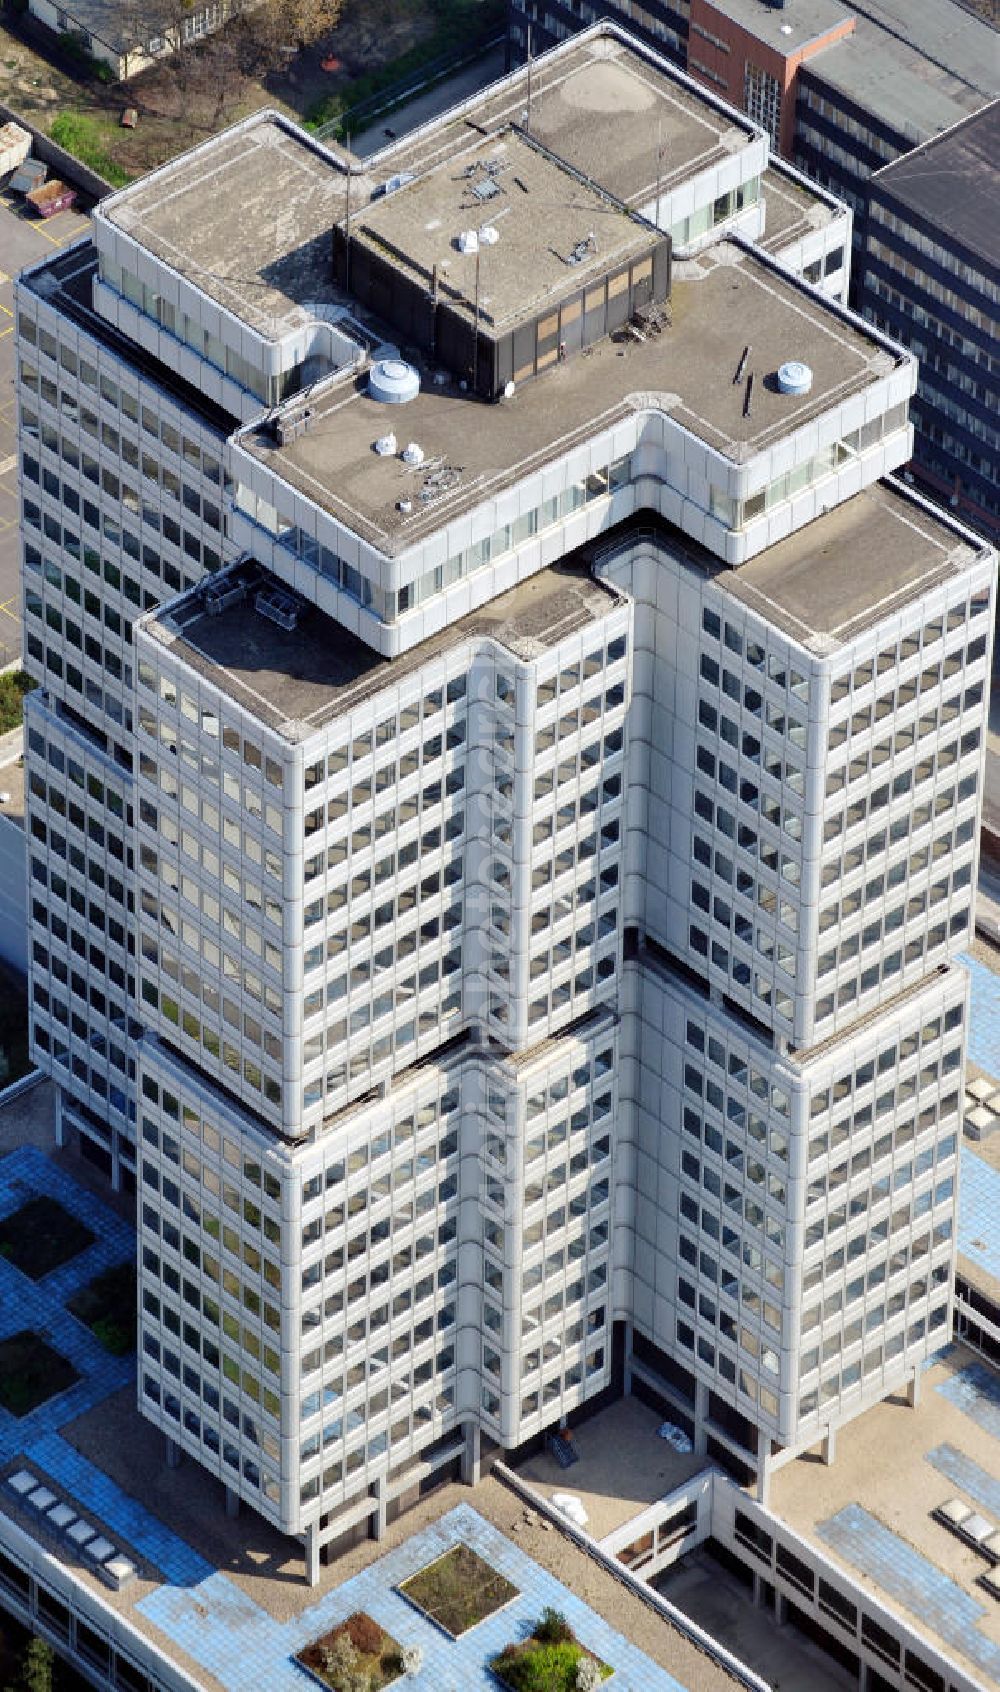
{"x": 354, "y": 119}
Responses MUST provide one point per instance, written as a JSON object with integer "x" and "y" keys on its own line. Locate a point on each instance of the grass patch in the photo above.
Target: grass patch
{"x": 552, "y": 1660}
{"x": 14, "y": 684}
{"x": 87, "y": 137}
{"x": 31, "y": 1372}
{"x": 107, "y": 1306}
{"x": 41, "y": 1236}
{"x": 458, "y": 1590}
{"x": 358, "y": 1652}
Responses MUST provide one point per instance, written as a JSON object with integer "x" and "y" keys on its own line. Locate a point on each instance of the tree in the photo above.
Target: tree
{"x": 258, "y": 39}
{"x": 340, "y": 1656}
{"x": 36, "y": 1669}
{"x": 278, "y": 28}
{"x": 341, "y": 1666}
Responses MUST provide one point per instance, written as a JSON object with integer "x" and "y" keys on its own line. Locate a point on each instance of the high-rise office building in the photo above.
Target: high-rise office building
{"x": 523, "y": 767}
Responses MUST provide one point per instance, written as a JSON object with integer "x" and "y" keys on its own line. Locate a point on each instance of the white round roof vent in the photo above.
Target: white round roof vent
{"x": 413, "y": 454}
{"x": 385, "y": 446}
{"x": 794, "y": 377}
{"x": 488, "y": 236}
{"x": 393, "y": 381}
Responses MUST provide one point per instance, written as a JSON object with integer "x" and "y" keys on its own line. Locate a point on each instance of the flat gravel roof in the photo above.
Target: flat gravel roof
{"x": 543, "y": 217}
{"x": 823, "y": 583}
{"x": 953, "y": 181}
{"x": 605, "y": 108}
{"x": 297, "y": 680}
{"x": 246, "y": 217}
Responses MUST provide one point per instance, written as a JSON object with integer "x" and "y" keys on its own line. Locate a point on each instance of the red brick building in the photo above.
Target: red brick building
{"x": 749, "y": 52}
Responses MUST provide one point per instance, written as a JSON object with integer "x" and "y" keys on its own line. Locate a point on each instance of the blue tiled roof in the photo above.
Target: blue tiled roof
{"x": 937, "y": 1602}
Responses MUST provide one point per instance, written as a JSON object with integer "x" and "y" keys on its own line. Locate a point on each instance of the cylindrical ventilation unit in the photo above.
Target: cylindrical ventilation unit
{"x": 392, "y": 381}
{"x": 794, "y": 377}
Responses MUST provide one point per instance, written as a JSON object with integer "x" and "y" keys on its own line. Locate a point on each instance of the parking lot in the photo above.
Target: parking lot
{"x": 24, "y": 239}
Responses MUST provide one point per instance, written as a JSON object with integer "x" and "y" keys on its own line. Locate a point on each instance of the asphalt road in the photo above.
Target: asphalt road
{"x": 24, "y": 240}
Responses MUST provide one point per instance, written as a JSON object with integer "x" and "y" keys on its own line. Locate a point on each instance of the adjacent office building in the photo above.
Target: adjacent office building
{"x": 932, "y": 279}
{"x": 499, "y": 851}
{"x": 841, "y": 88}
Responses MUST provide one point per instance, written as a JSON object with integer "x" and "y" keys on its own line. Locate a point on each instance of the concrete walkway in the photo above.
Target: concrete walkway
{"x": 436, "y": 100}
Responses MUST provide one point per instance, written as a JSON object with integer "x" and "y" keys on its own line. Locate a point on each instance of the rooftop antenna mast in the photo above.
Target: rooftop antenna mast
{"x": 659, "y": 170}
{"x": 475, "y": 328}
{"x": 347, "y": 219}
{"x": 434, "y": 306}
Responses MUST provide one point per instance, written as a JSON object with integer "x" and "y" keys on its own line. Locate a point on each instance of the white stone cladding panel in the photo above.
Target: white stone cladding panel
{"x": 347, "y": 1302}
{"x": 903, "y": 790}
{"x": 745, "y": 770}
{"x": 219, "y": 1297}
{"x": 121, "y": 500}
{"x": 716, "y": 1235}
{"x": 791, "y": 1309}
{"x": 682, "y": 478}
{"x": 817, "y": 248}
{"x": 548, "y": 1179}
{"x": 319, "y": 880}
{"x": 218, "y": 896}
{"x": 884, "y": 1131}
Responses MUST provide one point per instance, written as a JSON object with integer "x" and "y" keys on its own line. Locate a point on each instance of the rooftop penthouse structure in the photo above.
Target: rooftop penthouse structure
{"x": 524, "y": 764}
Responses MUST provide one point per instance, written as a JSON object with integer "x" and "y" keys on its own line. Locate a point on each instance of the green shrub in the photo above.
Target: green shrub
{"x": 14, "y": 684}
{"x": 37, "y": 1668}
{"x": 114, "y": 1338}
{"x": 547, "y": 1668}
{"x": 554, "y": 1665}
{"x": 553, "y": 1629}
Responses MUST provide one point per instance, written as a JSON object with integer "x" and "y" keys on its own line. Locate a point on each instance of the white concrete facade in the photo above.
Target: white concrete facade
{"x": 650, "y": 462}
{"x": 121, "y": 505}
{"x": 816, "y": 243}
